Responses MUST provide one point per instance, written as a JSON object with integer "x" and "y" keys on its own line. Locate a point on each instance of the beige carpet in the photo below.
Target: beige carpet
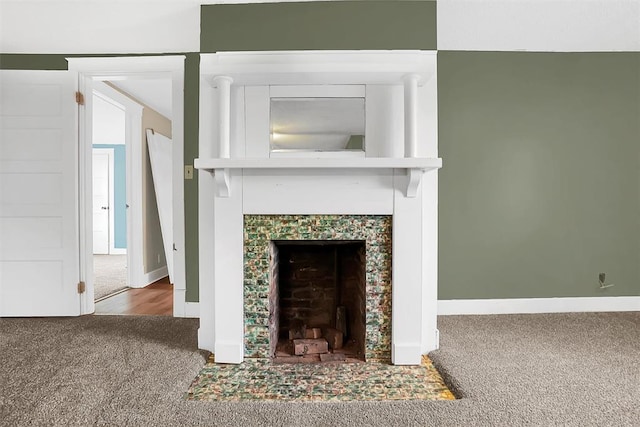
{"x": 512, "y": 370}
{"x": 109, "y": 273}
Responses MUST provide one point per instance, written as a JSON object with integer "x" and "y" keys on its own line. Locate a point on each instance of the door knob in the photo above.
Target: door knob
{"x": 105, "y": 208}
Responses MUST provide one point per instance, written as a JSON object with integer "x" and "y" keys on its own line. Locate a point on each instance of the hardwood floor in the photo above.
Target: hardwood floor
{"x": 155, "y": 299}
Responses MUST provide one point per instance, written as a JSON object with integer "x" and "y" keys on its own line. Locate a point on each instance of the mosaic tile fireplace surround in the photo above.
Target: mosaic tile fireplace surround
{"x": 261, "y": 230}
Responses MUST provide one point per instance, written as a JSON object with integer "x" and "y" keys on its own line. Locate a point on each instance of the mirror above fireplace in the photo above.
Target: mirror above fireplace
{"x": 317, "y": 125}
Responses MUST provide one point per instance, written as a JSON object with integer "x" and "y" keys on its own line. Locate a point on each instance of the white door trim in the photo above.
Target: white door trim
{"x": 90, "y": 70}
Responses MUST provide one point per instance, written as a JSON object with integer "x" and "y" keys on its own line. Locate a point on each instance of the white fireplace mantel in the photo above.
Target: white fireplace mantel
{"x": 395, "y": 175}
{"x": 415, "y": 167}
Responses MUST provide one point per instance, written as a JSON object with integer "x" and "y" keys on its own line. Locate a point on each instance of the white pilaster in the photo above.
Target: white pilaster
{"x": 406, "y": 309}
{"x": 228, "y": 272}
{"x": 206, "y": 202}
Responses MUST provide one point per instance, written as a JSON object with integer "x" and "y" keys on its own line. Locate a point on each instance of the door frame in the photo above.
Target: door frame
{"x": 111, "y": 196}
{"x": 88, "y": 71}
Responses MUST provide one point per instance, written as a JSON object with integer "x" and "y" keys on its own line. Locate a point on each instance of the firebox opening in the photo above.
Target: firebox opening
{"x": 317, "y": 300}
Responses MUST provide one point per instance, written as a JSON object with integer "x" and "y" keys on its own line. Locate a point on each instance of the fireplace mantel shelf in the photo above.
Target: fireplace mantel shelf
{"x": 415, "y": 167}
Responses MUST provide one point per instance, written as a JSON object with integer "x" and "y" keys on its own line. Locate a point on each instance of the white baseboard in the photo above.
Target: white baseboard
{"x": 154, "y": 276}
{"x": 537, "y": 305}
{"x": 406, "y": 354}
{"x": 181, "y": 308}
{"x": 206, "y": 339}
{"x": 229, "y": 352}
{"x": 192, "y": 309}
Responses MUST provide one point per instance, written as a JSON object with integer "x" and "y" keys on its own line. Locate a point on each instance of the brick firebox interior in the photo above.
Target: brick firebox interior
{"x": 317, "y": 294}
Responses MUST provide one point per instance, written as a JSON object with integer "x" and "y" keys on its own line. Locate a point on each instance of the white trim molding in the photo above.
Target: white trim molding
{"x": 537, "y": 305}
{"x": 346, "y": 67}
{"x": 192, "y": 310}
{"x": 183, "y": 308}
{"x": 153, "y": 276}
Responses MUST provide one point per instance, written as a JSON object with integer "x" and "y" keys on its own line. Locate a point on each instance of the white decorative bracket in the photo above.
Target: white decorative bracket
{"x": 413, "y": 182}
{"x": 222, "y": 182}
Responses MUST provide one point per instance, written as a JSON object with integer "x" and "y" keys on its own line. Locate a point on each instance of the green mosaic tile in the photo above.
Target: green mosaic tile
{"x": 375, "y": 230}
{"x": 259, "y": 379}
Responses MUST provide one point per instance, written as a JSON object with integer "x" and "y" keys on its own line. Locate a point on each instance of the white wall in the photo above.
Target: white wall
{"x": 539, "y": 25}
{"x": 154, "y": 26}
{"x": 108, "y": 122}
{"x": 99, "y": 26}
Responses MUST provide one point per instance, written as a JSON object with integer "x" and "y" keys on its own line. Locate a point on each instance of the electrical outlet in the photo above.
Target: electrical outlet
{"x": 188, "y": 171}
{"x": 602, "y": 279}
{"x": 158, "y": 258}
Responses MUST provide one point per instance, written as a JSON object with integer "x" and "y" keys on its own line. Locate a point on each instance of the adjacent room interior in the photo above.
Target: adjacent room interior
{"x": 116, "y": 289}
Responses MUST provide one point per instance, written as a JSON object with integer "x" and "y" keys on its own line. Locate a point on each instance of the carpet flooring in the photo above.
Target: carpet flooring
{"x": 510, "y": 370}
{"x": 109, "y": 274}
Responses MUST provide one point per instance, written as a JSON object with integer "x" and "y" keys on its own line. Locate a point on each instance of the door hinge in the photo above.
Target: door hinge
{"x": 79, "y": 98}
{"x": 81, "y": 287}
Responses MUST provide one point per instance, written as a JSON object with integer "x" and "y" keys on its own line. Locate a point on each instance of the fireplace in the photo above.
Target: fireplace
{"x": 312, "y": 277}
{"x": 258, "y": 195}
{"x": 317, "y": 300}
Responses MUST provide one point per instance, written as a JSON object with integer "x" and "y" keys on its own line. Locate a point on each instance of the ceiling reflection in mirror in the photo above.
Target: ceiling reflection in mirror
{"x": 317, "y": 124}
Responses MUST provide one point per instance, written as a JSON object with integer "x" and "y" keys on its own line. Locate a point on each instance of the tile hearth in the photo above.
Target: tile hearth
{"x": 259, "y": 379}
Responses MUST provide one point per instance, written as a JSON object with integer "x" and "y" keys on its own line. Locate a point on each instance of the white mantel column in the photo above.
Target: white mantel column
{"x": 223, "y": 85}
{"x": 411, "y": 114}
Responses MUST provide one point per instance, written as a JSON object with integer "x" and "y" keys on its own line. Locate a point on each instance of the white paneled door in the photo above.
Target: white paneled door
{"x": 102, "y": 161}
{"x": 39, "y": 267}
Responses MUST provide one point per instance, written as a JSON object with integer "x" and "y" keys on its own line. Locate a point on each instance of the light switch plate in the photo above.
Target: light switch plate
{"x": 188, "y": 171}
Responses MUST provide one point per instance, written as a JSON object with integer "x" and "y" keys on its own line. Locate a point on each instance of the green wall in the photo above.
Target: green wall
{"x": 191, "y": 136}
{"x": 17, "y": 61}
{"x": 540, "y": 189}
{"x": 318, "y": 26}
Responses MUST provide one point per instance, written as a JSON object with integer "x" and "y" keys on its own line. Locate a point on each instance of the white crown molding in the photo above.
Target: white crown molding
{"x": 318, "y": 67}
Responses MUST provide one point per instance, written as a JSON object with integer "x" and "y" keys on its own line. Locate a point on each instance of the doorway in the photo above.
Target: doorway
{"x": 109, "y": 186}
{"x": 110, "y": 120}
{"x": 116, "y": 72}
